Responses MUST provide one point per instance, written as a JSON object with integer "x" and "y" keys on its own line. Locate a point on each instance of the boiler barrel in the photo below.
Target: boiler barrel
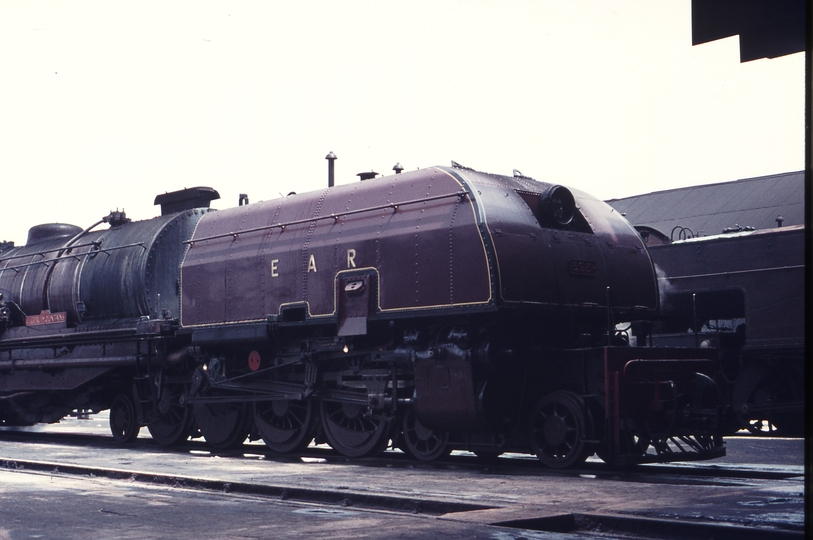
{"x": 127, "y": 271}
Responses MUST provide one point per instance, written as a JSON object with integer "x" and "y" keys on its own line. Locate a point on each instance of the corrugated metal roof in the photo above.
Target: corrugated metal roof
{"x": 708, "y": 209}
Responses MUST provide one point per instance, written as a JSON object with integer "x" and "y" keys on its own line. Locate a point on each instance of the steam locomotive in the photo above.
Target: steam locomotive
{"x": 742, "y": 293}
{"x": 433, "y": 310}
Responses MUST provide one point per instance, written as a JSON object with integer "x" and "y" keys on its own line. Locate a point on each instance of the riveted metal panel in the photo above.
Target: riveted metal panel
{"x": 418, "y": 231}
{"x": 566, "y": 266}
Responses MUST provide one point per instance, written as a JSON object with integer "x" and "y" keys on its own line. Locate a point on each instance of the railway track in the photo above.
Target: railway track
{"x": 508, "y": 497}
{"x": 508, "y": 464}
{"x": 583, "y": 524}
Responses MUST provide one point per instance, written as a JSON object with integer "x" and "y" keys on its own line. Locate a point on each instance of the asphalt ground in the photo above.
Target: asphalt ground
{"x": 70, "y": 481}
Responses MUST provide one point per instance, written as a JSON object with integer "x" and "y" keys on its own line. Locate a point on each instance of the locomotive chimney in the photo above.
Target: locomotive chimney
{"x": 186, "y": 199}
{"x": 331, "y": 157}
{"x": 367, "y": 175}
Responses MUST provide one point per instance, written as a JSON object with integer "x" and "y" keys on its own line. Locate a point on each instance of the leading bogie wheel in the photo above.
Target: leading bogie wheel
{"x": 558, "y": 430}
{"x": 420, "y": 441}
{"x": 123, "y": 420}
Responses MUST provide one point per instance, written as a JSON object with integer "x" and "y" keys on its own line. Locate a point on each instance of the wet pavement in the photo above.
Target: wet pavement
{"x": 63, "y": 487}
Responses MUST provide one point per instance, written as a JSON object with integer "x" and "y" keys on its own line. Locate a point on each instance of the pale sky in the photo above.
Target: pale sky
{"x": 105, "y": 104}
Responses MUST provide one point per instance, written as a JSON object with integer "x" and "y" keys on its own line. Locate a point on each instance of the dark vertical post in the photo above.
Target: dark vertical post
{"x": 610, "y": 329}
{"x": 331, "y": 157}
{"x": 615, "y": 418}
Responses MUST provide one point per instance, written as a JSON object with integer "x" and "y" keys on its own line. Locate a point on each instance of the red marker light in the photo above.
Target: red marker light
{"x": 253, "y": 360}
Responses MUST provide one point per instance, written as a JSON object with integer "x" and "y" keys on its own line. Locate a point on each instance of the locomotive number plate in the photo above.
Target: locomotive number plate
{"x": 582, "y": 268}
{"x": 46, "y": 317}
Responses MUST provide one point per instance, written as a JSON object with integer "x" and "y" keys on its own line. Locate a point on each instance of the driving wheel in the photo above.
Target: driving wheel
{"x": 223, "y": 425}
{"x": 285, "y": 425}
{"x": 352, "y": 432}
{"x": 173, "y": 422}
{"x": 763, "y": 414}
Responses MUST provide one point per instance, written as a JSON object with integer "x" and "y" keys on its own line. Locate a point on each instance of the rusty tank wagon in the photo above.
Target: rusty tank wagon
{"x": 433, "y": 310}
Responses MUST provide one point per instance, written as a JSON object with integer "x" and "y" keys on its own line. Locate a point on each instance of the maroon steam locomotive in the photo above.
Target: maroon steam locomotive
{"x": 437, "y": 309}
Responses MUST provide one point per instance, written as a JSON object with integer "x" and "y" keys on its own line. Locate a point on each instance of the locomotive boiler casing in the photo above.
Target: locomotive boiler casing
{"x": 595, "y": 262}
{"x": 284, "y": 258}
{"x": 433, "y": 241}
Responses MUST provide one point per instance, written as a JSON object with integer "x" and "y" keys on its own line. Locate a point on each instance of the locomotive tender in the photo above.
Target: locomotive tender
{"x": 439, "y": 309}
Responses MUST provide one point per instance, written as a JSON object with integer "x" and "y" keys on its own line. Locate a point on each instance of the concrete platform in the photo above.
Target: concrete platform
{"x": 64, "y": 488}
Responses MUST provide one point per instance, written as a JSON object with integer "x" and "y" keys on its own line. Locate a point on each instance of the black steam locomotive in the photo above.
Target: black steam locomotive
{"x": 439, "y": 309}
{"x": 742, "y": 293}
